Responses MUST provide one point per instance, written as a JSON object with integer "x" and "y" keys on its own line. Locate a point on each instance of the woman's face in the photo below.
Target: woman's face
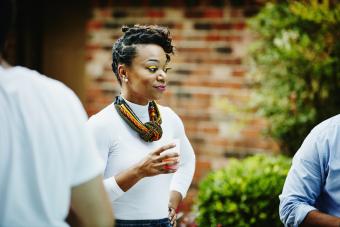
{"x": 146, "y": 75}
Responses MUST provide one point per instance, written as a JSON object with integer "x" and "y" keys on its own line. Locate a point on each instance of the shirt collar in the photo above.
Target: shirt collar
{"x": 140, "y": 110}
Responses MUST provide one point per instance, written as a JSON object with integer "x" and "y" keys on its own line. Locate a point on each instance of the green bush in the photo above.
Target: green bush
{"x": 245, "y": 193}
{"x": 296, "y": 67}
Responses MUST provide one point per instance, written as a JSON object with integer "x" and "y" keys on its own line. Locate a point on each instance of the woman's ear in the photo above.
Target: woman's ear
{"x": 122, "y": 73}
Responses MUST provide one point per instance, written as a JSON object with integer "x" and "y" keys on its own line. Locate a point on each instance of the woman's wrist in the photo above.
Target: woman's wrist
{"x": 138, "y": 172}
{"x": 175, "y": 199}
{"x": 171, "y": 207}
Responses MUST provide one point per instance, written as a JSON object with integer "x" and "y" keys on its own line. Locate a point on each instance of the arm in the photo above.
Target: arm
{"x": 304, "y": 181}
{"x": 90, "y": 204}
{"x": 318, "y": 219}
{"x": 182, "y": 178}
{"x": 175, "y": 199}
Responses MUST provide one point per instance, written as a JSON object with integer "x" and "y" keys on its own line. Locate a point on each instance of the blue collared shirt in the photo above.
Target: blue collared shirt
{"x": 313, "y": 182}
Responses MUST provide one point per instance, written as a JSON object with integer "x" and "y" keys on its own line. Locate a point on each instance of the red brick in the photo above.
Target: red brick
{"x": 213, "y": 13}
{"x": 215, "y": 61}
{"x": 251, "y": 133}
{"x": 219, "y": 141}
{"x": 105, "y": 13}
{"x": 202, "y": 169}
{"x": 232, "y": 38}
{"x": 235, "y": 13}
{"x": 203, "y": 26}
{"x": 193, "y": 14}
{"x": 239, "y": 73}
{"x": 239, "y": 26}
{"x": 223, "y": 26}
{"x": 213, "y": 38}
{"x": 155, "y": 13}
{"x": 88, "y": 57}
{"x": 201, "y": 72}
{"x": 209, "y": 130}
{"x": 94, "y": 25}
{"x": 177, "y": 37}
{"x": 92, "y": 47}
{"x": 215, "y": 84}
{"x": 195, "y": 118}
{"x": 193, "y": 50}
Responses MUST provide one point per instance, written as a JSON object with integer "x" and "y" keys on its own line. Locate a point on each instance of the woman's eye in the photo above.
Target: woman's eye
{"x": 152, "y": 69}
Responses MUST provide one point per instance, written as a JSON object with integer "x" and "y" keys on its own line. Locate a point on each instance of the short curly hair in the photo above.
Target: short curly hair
{"x": 124, "y": 49}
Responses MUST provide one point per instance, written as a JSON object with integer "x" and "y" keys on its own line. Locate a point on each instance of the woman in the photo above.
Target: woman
{"x": 145, "y": 188}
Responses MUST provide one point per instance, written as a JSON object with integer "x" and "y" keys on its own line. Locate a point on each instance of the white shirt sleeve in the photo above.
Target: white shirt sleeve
{"x": 87, "y": 163}
{"x": 183, "y": 176}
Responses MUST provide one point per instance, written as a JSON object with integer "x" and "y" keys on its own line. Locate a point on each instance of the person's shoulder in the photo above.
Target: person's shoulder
{"x": 22, "y": 79}
{"x": 335, "y": 120}
{"x": 26, "y": 74}
{"x": 327, "y": 127}
{"x": 328, "y": 124}
{"x": 51, "y": 84}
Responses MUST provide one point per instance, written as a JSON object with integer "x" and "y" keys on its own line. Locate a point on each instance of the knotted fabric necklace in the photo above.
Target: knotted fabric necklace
{"x": 149, "y": 131}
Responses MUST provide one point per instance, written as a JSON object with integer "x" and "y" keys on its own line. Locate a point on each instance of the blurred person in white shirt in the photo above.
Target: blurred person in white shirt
{"x": 48, "y": 161}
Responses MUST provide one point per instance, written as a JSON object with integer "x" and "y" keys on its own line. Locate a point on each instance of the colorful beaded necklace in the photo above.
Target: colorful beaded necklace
{"x": 149, "y": 131}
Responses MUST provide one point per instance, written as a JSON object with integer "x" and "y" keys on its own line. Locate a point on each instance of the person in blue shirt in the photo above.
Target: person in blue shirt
{"x": 311, "y": 193}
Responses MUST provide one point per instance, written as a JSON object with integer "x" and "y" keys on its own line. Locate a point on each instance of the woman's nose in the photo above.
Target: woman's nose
{"x": 161, "y": 76}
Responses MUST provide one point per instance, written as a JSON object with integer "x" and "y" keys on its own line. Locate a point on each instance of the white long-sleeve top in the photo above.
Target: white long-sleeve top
{"x": 121, "y": 147}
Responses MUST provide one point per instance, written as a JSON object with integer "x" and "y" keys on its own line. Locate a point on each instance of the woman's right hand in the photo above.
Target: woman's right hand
{"x": 154, "y": 164}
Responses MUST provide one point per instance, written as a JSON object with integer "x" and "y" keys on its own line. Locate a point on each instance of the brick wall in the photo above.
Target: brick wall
{"x": 208, "y": 88}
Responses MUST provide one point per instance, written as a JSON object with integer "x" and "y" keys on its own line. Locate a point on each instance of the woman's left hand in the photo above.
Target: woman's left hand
{"x": 172, "y": 216}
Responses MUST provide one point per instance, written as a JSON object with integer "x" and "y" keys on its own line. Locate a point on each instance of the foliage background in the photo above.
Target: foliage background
{"x": 245, "y": 193}
{"x": 296, "y": 67}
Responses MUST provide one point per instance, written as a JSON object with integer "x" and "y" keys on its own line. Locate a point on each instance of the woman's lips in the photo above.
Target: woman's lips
{"x": 160, "y": 87}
